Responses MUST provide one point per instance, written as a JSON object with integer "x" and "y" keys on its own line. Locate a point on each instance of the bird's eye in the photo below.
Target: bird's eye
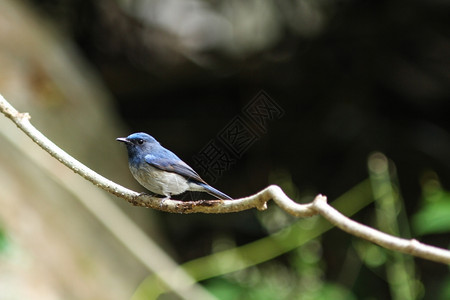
{"x": 140, "y": 141}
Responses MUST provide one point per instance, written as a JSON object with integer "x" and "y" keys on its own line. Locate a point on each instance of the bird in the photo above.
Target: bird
{"x": 160, "y": 170}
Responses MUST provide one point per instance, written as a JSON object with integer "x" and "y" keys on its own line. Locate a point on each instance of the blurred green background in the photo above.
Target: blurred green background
{"x": 364, "y": 90}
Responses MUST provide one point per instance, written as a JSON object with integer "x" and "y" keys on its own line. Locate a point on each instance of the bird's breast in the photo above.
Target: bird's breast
{"x": 159, "y": 181}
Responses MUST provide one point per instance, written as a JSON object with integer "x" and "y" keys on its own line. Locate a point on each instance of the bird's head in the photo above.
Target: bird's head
{"x": 138, "y": 142}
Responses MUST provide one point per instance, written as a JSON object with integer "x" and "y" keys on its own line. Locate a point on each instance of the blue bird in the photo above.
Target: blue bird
{"x": 160, "y": 171}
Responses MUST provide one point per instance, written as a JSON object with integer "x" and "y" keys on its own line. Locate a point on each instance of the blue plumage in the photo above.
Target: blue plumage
{"x": 160, "y": 170}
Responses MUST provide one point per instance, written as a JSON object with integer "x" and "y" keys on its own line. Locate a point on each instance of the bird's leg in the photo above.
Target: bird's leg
{"x": 167, "y": 197}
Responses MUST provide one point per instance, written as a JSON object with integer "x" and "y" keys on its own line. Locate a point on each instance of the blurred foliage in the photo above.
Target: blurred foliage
{"x": 390, "y": 216}
{"x": 4, "y": 242}
{"x": 434, "y": 215}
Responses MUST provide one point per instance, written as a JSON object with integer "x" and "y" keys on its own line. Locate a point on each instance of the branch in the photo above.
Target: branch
{"x": 258, "y": 201}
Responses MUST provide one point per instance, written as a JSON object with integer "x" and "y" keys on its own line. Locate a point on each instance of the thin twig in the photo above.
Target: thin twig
{"x": 259, "y": 200}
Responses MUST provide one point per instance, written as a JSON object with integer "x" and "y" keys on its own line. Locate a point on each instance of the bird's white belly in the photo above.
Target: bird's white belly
{"x": 158, "y": 181}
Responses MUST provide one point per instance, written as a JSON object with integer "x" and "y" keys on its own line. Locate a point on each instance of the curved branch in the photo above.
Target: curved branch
{"x": 387, "y": 241}
{"x": 258, "y": 201}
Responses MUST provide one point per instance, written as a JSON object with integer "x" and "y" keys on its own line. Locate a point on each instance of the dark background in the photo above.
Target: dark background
{"x": 374, "y": 76}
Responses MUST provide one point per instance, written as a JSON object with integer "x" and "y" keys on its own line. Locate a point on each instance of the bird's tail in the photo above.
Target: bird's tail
{"x": 213, "y": 192}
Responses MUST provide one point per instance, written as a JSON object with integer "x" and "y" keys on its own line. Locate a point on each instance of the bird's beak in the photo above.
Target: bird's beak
{"x": 123, "y": 140}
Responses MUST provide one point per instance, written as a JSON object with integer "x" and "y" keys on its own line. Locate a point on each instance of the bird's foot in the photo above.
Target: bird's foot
{"x": 163, "y": 200}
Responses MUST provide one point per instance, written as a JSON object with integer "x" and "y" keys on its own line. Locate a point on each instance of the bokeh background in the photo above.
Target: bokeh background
{"x": 364, "y": 87}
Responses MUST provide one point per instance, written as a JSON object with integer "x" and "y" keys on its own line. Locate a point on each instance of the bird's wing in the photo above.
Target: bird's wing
{"x": 172, "y": 163}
